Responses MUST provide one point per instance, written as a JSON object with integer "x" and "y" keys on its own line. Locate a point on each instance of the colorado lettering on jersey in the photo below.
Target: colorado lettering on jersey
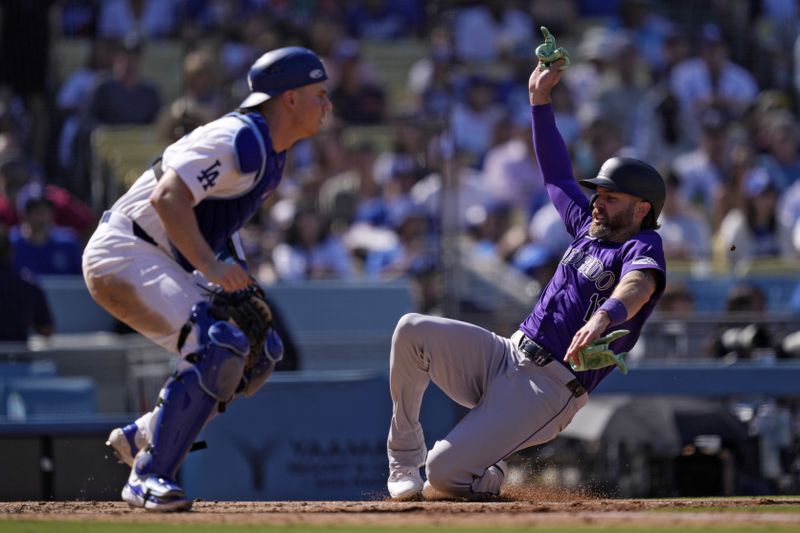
{"x": 589, "y": 267}
{"x": 208, "y": 177}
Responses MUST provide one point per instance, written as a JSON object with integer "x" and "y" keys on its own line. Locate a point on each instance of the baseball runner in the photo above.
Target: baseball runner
{"x": 160, "y": 261}
{"x": 525, "y": 389}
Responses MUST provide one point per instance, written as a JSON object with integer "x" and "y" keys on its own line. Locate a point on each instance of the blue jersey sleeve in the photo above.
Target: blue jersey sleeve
{"x": 248, "y": 151}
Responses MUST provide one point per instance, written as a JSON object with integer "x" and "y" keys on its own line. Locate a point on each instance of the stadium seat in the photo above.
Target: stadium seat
{"x": 380, "y": 137}
{"x": 72, "y": 307}
{"x": 711, "y": 293}
{"x": 768, "y": 267}
{"x": 13, "y": 370}
{"x": 24, "y": 398}
{"x": 70, "y": 55}
{"x": 120, "y": 155}
{"x": 161, "y": 63}
{"x": 329, "y": 339}
{"x": 393, "y": 60}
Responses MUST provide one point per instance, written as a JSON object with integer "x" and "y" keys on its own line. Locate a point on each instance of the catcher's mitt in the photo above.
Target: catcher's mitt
{"x": 248, "y": 308}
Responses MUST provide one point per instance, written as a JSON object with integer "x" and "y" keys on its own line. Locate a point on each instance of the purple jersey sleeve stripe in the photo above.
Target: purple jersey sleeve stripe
{"x": 553, "y": 159}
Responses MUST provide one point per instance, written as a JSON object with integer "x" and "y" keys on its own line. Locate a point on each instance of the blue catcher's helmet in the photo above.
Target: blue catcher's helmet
{"x": 282, "y": 69}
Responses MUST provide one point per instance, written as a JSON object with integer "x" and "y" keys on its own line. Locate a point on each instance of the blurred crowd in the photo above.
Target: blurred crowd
{"x": 705, "y": 91}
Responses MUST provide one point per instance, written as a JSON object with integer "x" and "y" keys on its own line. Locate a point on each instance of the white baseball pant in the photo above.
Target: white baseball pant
{"x": 140, "y": 284}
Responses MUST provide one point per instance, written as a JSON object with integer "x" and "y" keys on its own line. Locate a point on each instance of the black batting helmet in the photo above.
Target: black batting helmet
{"x": 631, "y": 176}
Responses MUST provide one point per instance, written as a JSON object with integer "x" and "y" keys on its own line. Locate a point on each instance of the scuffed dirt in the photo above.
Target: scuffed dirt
{"x": 523, "y": 507}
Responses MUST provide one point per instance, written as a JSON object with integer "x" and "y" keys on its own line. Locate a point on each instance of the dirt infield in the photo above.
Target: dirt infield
{"x": 519, "y": 510}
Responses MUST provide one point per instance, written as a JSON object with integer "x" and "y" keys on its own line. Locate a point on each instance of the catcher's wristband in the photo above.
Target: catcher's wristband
{"x": 616, "y": 311}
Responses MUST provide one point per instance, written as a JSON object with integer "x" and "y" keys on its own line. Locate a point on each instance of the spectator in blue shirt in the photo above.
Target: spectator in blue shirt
{"x": 40, "y": 247}
{"x": 311, "y": 250}
{"x": 125, "y": 96}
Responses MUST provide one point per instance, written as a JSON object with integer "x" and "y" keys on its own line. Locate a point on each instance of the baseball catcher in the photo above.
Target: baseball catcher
{"x": 159, "y": 247}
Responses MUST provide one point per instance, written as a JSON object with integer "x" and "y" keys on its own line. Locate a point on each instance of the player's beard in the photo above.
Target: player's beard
{"x": 614, "y": 225}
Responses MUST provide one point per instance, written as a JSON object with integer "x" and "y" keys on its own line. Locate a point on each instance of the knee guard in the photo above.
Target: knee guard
{"x": 200, "y": 382}
{"x": 257, "y": 375}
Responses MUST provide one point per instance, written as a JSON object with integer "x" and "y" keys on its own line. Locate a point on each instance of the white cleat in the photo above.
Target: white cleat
{"x": 155, "y": 494}
{"x": 122, "y": 442}
{"x": 404, "y": 482}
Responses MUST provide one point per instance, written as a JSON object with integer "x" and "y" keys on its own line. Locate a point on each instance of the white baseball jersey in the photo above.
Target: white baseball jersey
{"x": 205, "y": 156}
{"x": 152, "y": 288}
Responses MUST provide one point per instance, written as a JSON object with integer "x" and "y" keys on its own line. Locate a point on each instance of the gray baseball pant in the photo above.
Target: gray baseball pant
{"x": 514, "y": 403}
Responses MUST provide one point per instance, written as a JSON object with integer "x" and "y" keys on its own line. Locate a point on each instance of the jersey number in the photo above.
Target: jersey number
{"x": 595, "y": 301}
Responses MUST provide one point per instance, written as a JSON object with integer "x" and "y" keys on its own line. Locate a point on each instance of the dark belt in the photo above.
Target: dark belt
{"x": 157, "y": 170}
{"x": 137, "y": 229}
{"x": 540, "y": 356}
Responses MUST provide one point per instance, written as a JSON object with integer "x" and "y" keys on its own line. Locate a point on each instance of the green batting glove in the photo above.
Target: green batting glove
{"x": 548, "y": 53}
{"x": 599, "y": 355}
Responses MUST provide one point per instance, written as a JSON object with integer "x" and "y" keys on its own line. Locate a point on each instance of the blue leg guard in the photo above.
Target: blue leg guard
{"x": 256, "y": 376}
{"x": 200, "y": 382}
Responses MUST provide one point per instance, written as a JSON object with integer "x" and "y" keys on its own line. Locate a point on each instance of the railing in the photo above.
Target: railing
{"x": 682, "y": 337}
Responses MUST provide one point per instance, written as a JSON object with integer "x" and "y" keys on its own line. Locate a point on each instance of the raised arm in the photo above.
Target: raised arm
{"x": 551, "y": 151}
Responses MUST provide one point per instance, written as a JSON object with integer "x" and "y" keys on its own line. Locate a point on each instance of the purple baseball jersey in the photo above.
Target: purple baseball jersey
{"x": 591, "y": 268}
